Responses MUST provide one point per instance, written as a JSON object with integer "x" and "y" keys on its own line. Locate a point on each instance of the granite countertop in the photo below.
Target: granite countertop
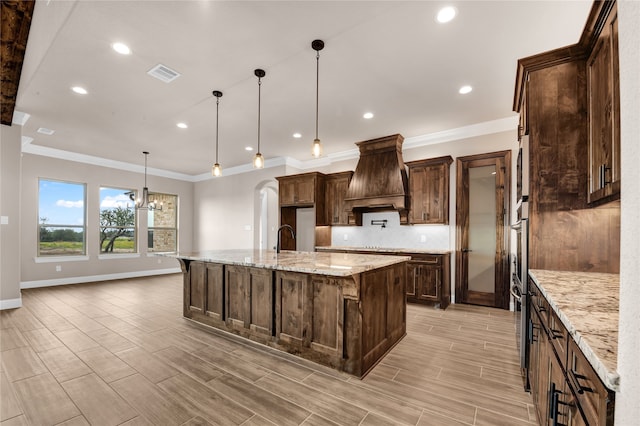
{"x": 333, "y": 264}
{"x": 587, "y": 304}
{"x": 383, "y": 250}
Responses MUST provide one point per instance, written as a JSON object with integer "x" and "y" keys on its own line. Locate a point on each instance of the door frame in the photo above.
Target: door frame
{"x": 503, "y": 178}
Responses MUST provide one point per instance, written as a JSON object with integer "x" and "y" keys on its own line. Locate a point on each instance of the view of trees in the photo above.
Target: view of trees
{"x": 49, "y": 234}
{"x": 114, "y": 223}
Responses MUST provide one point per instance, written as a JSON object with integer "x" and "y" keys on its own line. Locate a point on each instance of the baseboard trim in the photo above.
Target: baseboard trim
{"x": 93, "y": 278}
{"x": 10, "y": 303}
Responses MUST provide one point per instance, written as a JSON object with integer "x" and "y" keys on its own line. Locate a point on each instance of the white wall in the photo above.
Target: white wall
{"x": 226, "y": 209}
{"x": 10, "y": 211}
{"x": 34, "y": 274}
{"x": 627, "y": 400}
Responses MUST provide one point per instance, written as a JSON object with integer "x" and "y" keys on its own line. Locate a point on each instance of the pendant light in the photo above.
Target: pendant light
{"x": 144, "y": 202}
{"x": 317, "y": 45}
{"x": 216, "y": 170}
{"x": 258, "y": 160}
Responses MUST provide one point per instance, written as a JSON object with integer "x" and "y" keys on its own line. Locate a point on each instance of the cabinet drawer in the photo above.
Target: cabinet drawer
{"x": 559, "y": 337}
{"x": 539, "y": 304}
{"x": 591, "y": 394}
{"x": 431, "y": 259}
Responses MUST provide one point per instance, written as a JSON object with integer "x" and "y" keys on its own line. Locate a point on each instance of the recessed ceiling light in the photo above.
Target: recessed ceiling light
{"x": 182, "y": 125}
{"x": 465, "y": 89}
{"x": 79, "y": 90}
{"x": 121, "y": 48}
{"x": 46, "y": 131}
{"x": 248, "y": 148}
{"x": 297, "y": 135}
{"x": 367, "y": 115}
{"x": 446, "y": 14}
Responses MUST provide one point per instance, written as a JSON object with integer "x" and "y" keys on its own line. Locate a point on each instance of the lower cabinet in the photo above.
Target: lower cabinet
{"x": 428, "y": 279}
{"x": 565, "y": 388}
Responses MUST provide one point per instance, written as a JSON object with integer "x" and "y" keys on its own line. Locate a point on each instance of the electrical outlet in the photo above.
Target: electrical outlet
{"x": 58, "y": 268}
{"x": 423, "y": 238}
{"x": 159, "y": 261}
{"x": 345, "y": 237}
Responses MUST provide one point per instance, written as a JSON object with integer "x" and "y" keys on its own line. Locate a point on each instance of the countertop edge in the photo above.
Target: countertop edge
{"x": 381, "y": 250}
{"x": 609, "y": 378}
{"x": 388, "y": 261}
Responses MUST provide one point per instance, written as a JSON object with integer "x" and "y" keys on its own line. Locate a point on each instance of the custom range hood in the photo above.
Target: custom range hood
{"x": 379, "y": 182}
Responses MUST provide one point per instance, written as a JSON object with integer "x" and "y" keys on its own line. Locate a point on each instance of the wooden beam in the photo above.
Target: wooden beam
{"x": 16, "y": 22}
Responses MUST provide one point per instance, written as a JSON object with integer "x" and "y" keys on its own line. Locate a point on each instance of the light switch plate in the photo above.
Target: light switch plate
{"x": 4, "y": 220}
{"x": 423, "y": 238}
{"x": 345, "y": 237}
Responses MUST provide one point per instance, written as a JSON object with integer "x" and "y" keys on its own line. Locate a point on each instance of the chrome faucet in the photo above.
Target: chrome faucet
{"x": 293, "y": 235}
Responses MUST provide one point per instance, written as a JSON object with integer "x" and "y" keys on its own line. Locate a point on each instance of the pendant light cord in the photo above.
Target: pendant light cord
{"x": 259, "y": 90}
{"x": 317, "y": 87}
{"x": 217, "y": 104}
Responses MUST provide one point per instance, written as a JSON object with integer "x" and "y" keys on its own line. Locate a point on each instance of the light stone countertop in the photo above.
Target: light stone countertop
{"x": 587, "y": 304}
{"x": 382, "y": 250}
{"x": 333, "y": 264}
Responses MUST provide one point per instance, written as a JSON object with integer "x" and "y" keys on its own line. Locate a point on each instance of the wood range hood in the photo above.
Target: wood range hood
{"x": 379, "y": 182}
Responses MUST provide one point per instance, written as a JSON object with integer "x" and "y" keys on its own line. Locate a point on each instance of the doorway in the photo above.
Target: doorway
{"x": 482, "y": 240}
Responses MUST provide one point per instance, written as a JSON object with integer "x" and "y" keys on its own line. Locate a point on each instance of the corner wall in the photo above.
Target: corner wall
{"x": 10, "y": 147}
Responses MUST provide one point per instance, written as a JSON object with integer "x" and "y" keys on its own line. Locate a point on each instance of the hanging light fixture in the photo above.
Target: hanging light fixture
{"x": 317, "y": 45}
{"x": 144, "y": 202}
{"x": 258, "y": 160}
{"x": 216, "y": 170}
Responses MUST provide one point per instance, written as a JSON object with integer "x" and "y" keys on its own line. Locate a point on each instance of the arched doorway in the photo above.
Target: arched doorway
{"x": 265, "y": 223}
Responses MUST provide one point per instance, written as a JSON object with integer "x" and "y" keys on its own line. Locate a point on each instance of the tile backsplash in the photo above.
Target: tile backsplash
{"x": 393, "y": 235}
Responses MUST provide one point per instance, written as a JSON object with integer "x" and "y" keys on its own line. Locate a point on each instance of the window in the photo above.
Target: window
{"x": 162, "y": 223}
{"x": 117, "y": 221}
{"x": 61, "y": 217}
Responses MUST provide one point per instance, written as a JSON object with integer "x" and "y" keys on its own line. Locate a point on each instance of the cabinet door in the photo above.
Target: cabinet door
{"x": 305, "y": 190}
{"x": 413, "y": 274}
{"x": 435, "y": 207}
{"x": 261, "y": 301}
{"x": 418, "y": 192}
{"x": 195, "y": 295}
{"x": 286, "y": 192}
{"x": 335, "y": 192}
{"x": 214, "y": 306}
{"x": 604, "y": 113}
{"x": 430, "y": 282}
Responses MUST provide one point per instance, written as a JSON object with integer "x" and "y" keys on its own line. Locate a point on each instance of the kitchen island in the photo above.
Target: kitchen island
{"x": 343, "y": 311}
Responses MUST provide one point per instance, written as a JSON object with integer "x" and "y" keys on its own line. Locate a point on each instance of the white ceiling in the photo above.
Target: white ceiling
{"x": 388, "y": 57}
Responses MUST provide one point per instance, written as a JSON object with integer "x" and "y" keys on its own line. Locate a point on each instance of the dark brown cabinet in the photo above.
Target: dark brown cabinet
{"x": 603, "y": 88}
{"x": 303, "y": 190}
{"x": 204, "y": 296}
{"x": 565, "y": 388}
{"x": 429, "y": 190}
{"x": 428, "y": 279}
{"x": 249, "y": 299}
{"x": 336, "y": 185}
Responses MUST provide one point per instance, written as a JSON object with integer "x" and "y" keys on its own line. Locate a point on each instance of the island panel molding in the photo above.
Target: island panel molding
{"x": 345, "y": 311}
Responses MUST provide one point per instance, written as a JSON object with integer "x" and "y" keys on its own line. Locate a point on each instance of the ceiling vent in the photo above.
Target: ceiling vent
{"x": 46, "y": 131}
{"x": 163, "y": 73}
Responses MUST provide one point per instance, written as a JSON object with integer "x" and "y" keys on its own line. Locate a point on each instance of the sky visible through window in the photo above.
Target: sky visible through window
{"x": 61, "y": 203}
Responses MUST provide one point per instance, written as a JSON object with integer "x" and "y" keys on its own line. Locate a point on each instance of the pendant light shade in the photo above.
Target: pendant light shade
{"x": 258, "y": 160}
{"x": 317, "y": 45}
{"x": 216, "y": 170}
{"x": 144, "y": 202}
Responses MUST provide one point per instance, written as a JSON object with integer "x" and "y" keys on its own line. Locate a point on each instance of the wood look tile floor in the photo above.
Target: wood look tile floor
{"x": 120, "y": 353}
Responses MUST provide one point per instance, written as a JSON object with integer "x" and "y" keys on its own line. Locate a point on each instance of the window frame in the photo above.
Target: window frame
{"x": 135, "y": 226}
{"x": 150, "y": 229}
{"x": 69, "y": 256}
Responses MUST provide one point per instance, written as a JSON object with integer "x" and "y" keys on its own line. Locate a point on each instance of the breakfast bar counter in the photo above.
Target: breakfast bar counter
{"x": 343, "y": 311}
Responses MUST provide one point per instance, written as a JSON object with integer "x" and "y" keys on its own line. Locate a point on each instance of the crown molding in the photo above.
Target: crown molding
{"x": 465, "y": 132}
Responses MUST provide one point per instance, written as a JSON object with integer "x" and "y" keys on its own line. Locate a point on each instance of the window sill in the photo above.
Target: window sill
{"x": 118, "y": 256}
{"x": 55, "y": 259}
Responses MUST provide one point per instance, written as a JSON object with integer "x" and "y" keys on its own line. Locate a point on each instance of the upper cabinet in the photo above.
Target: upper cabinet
{"x": 603, "y": 89}
{"x": 301, "y": 190}
{"x": 335, "y": 192}
{"x": 429, "y": 190}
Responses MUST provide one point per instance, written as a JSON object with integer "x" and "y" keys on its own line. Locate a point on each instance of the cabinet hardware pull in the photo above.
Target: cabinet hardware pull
{"x": 553, "y": 403}
{"x": 423, "y": 216}
{"x": 573, "y": 378}
{"x": 556, "y": 334}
